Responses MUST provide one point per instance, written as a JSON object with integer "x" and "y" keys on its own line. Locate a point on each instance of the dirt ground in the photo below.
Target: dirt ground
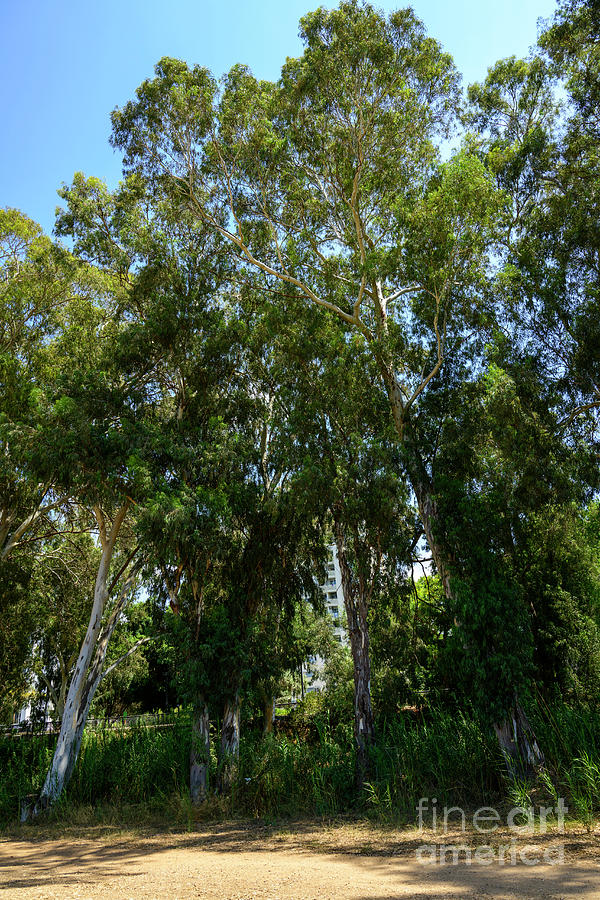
{"x": 305, "y": 861}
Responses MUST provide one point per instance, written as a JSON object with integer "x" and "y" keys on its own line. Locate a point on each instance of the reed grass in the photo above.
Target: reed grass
{"x": 451, "y": 756}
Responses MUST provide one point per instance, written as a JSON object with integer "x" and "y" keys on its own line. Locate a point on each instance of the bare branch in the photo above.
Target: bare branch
{"x": 579, "y": 410}
{"x": 440, "y": 344}
{"x": 131, "y": 650}
{"x": 413, "y": 289}
{"x": 238, "y": 241}
{"x": 25, "y": 525}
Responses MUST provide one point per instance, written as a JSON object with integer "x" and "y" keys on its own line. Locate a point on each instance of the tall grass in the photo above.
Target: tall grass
{"x": 452, "y": 758}
{"x": 309, "y": 769}
{"x": 115, "y": 766}
{"x": 570, "y": 739}
{"x": 292, "y": 775}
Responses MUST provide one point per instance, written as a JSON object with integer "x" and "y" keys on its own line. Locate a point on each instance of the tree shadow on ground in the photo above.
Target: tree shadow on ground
{"x": 387, "y": 857}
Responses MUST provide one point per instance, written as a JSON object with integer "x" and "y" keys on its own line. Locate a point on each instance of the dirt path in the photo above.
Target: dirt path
{"x": 303, "y": 862}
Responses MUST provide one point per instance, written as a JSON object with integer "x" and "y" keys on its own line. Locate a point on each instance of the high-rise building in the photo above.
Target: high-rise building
{"x": 331, "y": 587}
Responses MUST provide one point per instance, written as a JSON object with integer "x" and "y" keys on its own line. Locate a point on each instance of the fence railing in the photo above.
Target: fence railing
{"x": 30, "y": 727}
{"x": 52, "y": 726}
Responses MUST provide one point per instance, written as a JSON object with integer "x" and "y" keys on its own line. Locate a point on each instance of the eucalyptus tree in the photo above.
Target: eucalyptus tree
{"x": 80, "y": 444}
{"x": 542, "y": 148}
{"x": 233, "y": 542}
{"x": 280, "y": 519}
{"x": 328, "y": 185}
{"x": 519, "y": 499}
{"x": 231, "y": 539}
{"x": 62, "y": 579}
{"x": 355, "y": 475}
{"x": 195, "y": 459}
{"x": 84, "y": 442}
{"x": 220, "y": 526}
{"x": 571, "y": 43}
{"x": 51, "y": 307}
{"x": 329, "y": 188}
{"x": 543, "y": 151}
{"x": 175, "y": 357}
{"x": 334, "y": 174}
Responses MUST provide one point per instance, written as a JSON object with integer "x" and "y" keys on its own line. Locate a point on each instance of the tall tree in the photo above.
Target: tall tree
{"x": 293, "y": 176}
{"x": 355, "y": 473}
{"x": 39, "y": 284}
{"x": 82, "y": 445}
{"x": 328, "y": 187}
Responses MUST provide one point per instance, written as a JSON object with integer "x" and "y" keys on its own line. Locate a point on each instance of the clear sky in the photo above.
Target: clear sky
{"x": 64, "y": 65}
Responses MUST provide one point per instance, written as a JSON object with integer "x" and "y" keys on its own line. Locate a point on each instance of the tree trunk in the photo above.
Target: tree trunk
{"x": 84, "y": 682}
{"x": 418, "y": 476}
{"x": 69, "y": 741}
{"x": 230, "y": 742}
{"x": 429, "y": 516}
{"x": 268, "y": 711}
{"x": 515, "y": 735}
{"x": 518, "y": 743}
{"x": 356, "y": 606}
{"x": 200, "y": 752}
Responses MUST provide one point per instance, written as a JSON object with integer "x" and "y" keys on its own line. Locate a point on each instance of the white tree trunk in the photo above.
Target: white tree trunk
{"x": 9, "y": 540}
{"x": 85, "y": 679}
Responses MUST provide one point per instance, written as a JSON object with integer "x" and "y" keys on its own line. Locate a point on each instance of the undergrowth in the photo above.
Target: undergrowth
{"x": 140, "y": 775}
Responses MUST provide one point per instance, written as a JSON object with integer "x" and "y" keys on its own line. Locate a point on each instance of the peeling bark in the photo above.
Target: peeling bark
{"x": 86, "y": 677}
{"x": 230, "y": 742}
{"x": 199, "y": 752}
{"x": 518, "y": 743}
{"x": 356, "y": 604}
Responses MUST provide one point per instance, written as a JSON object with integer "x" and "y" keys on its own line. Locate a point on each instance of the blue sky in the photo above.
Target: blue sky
{"x": 65, "y": 65}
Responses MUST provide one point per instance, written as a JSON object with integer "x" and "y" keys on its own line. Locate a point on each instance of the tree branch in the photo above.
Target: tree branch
{"x": 131, "y": 650}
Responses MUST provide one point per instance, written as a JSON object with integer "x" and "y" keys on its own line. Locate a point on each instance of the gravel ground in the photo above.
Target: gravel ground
{"x": 305, "y": 861}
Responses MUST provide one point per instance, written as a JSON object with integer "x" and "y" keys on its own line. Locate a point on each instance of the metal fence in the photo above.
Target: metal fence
{"x": 52, "y": 726}
{"x": 35, "y": 727}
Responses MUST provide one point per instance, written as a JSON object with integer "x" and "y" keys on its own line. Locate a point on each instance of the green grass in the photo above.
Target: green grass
{"x": 116, "y": 766}
{"x": 309, "y": 769}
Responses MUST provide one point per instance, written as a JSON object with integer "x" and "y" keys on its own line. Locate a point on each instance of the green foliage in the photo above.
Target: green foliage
{"x": 409, "y": 630}
{"x": 291, "y": 314}
{"x": 309, "y": 771}
{"x": 127, "y": 689}
{"x": 115, "y": 765}
{"x": 19, "y": 617}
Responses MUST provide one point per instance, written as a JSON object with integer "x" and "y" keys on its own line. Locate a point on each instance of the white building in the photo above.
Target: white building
{"x": 331, "y": 587}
